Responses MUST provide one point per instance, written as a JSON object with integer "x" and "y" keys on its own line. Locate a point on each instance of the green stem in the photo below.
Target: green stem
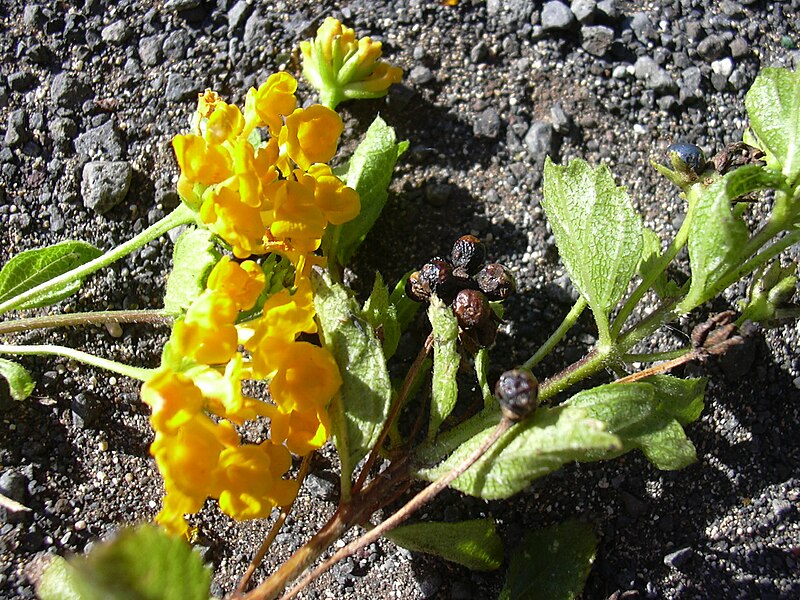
{"x": 558, "y": 334}
{"x": 84, "y": 357}
{"x": 590, "y": 364}
{"x": 158, "y": 317}
{"x": 180, "y": 216}
{"x": 655, "y": 356}
{"x": 678, "y": 242}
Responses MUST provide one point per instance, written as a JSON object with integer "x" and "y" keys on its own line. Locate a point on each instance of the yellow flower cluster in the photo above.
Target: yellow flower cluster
{"x": 258, "y": 197}
{"x": 343, "y": 68}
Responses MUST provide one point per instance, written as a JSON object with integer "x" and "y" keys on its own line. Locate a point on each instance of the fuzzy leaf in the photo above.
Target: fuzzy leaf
{"x": 540, "y": 445}
{"x": 28, "y": 269}
{"x": 362, "y": 404}
{"x": 382, "y": 315}
{"x": 651, "y": 253}
{"x": 369, "y": 172}
{"x": 143, "y": 563}
{"x": 716, "y": 237}
{"x": 193, "y": 257}
{"x": 597, "y": 231}
{"x": 20, "y": 382}
{"x": 552, "y": 563}
{"x": 648, "y": 415}
{"x": 445, "y": 363}
{"x": 752, "y": 178}
{"x": 473, "y": 544}
{"x": 773, "y": 106}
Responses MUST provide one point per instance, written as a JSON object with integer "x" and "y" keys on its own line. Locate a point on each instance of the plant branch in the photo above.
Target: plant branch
{"x": 551, "y": 342}
{"x": 422, "y": 498}
{"x": 398, "y": 403}
{"x": 137, "y": 373}
{"x": 158, "y": 317}
{"x": 180, "y": 216}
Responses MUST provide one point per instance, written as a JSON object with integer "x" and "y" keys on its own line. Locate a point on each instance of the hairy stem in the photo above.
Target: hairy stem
{"x": 158, "y": 317}
{"x": 551, "y": 342}
{"x": 137, "y": 373}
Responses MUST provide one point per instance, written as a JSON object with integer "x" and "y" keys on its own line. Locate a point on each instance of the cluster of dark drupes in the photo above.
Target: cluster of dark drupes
{"x": 464, "y": 281}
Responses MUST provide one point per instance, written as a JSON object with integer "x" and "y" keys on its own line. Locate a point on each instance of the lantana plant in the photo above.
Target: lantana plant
{"x": 256, "y": 300}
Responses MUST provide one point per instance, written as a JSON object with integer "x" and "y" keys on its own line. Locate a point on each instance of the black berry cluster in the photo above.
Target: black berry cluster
{"x": 468, "y": 284}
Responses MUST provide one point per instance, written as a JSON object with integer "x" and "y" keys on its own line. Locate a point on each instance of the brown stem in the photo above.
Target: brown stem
{"x": 158, "y": 317}
{"x": 661, "y": 367}
{"x": 422, "y": 498}
{"x": 273, "y": 532}
{"x": 398, "y": 403}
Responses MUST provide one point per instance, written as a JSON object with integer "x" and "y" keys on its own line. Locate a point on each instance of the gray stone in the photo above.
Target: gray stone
{"x": 14, "y": 485}
{"x": 479, "y": 52}
{"x": 691, "y": 79}
{"x": 180, "y": 88}
{"x": 739, "y": 47}
{"x": 100, "y": 142}
{"x": 437, "y": 194}
{"x": 678, "y": 558}
{"x": 320, "y": 487}
{"x": 104, "y": 184}
{"x": 642, "y": 27}
{"x": 510, "y": 11}
{"x": 85, "y": 410}
{"x": 17, "y": 128}
{"x": 181, "y": 4}
{"x": 583, "y": 10}
{"x": 62, "y": 130}
{"x": 420, "y": 75}
{"x": 68, "y": 91}
{"x": 21, "y": 81}
{"x": 723, "y": 66}
{"x": 711, "y": 48}
{"x": 256, "y": 29}
{"x": 150, "y": 50}
{"x": 176, "y": 44}
{"x": 608, "y": 8}
{"x": 655, "y": 77}
{"x": 539, "y": 140}
{"x": 596, "y": 39}
{"x": 487, "y": 124}
{"x": 116, "y": 33}
{"x": 556, "y": 16}
{"x": 238, "y": 14}
{"x": 561, "y": 120}
{"x": 32, "y": 15}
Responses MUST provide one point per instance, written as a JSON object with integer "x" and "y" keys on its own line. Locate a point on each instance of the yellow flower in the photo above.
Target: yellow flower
{"x": 307, "y": 377}
{"x": 242, "y": 283}
{"x": 273, "y": 100}
{"x": 173, "y": 400}
{"x": 295, "y": 216}
{"x": 255, "y": 170}
{"x": 234, "y": 221}
{"x": 332, "y": 39}
{"x": 224, "y": 125}
{"x": 207, "y": 333}
{"x": 302, "y": 431}
{"x": 206, "y": 103}
{"x": 311, "y": 135}
{"x": 173, "y": 509}
{"x": 201, "y": 162}
{"x": 252, "y": 481}
{"x": 383, "y": 75}
{"x": 338, "y": 202}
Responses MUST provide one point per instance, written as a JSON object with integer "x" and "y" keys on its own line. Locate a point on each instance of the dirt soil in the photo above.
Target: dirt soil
{"x": 490, "y": 89}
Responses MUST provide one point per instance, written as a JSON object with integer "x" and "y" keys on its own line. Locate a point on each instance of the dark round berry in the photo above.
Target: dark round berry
{"x": 437, "y": 276}
{"x": 416, "y": 288}
{"x": 687, "y": 159}
{"x": 517, "y": 391}
{"x": 496, "y": 281}
{"x": 468, "y": 253}
{"x": 472, "y": 309}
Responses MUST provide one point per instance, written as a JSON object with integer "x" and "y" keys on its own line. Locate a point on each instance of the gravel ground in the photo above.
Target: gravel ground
{"x": 90, "y": 97}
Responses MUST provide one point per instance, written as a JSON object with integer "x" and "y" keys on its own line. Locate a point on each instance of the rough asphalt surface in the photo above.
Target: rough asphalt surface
{"x": 90, "y": 97}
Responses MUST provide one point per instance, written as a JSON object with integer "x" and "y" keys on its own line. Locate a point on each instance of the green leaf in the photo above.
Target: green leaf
{"x": 369, "y": 172}
{"x": 382, "y": 315}
{"x": 445, "y": 363}
{"x": 139, "y": 564}
{"x": 405, "y": 307}
{"x": 360, "y": 408}
{"x": 473, "y": 544}
{"x": 597, "y": 231}
{"x": 20, "y": 382}
{"x": 651, "y": 254}
{"x": 751, "y": 178}
{"x": 552, "y": 563}
{"x": 194, "y": 256}
{"x": 773, "y": 106}
{"x": 481, "y": 370}
{"x": 648, "y": 415}
{"x": 33, "y": 267}
{"x": 540, "y": 445}
{"x": 716, "y": 238}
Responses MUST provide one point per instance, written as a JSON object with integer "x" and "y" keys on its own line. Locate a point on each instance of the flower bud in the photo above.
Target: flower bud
{"x": 517, "y": 391}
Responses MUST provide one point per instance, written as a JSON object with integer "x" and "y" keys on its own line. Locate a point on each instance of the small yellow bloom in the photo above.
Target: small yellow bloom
{"x": 274, "y": 99}
{"x": 252, "y": 481}
{"x": 207, "y": 333}
{"x": 201, "y": 162}
{"x": 242, "y": 283}
{"x": 234, "y": 221}
{"x": 224, "y": 125}
{"x": 302, "y": 431}
{"x": 174, "y": 507}
{"x": 173, "y": 400}
{"x": 307, "y": 377}
{"x": 207, "y": 103}
{"x": 311, "y": 135}
{"x": 338, "y": 202}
